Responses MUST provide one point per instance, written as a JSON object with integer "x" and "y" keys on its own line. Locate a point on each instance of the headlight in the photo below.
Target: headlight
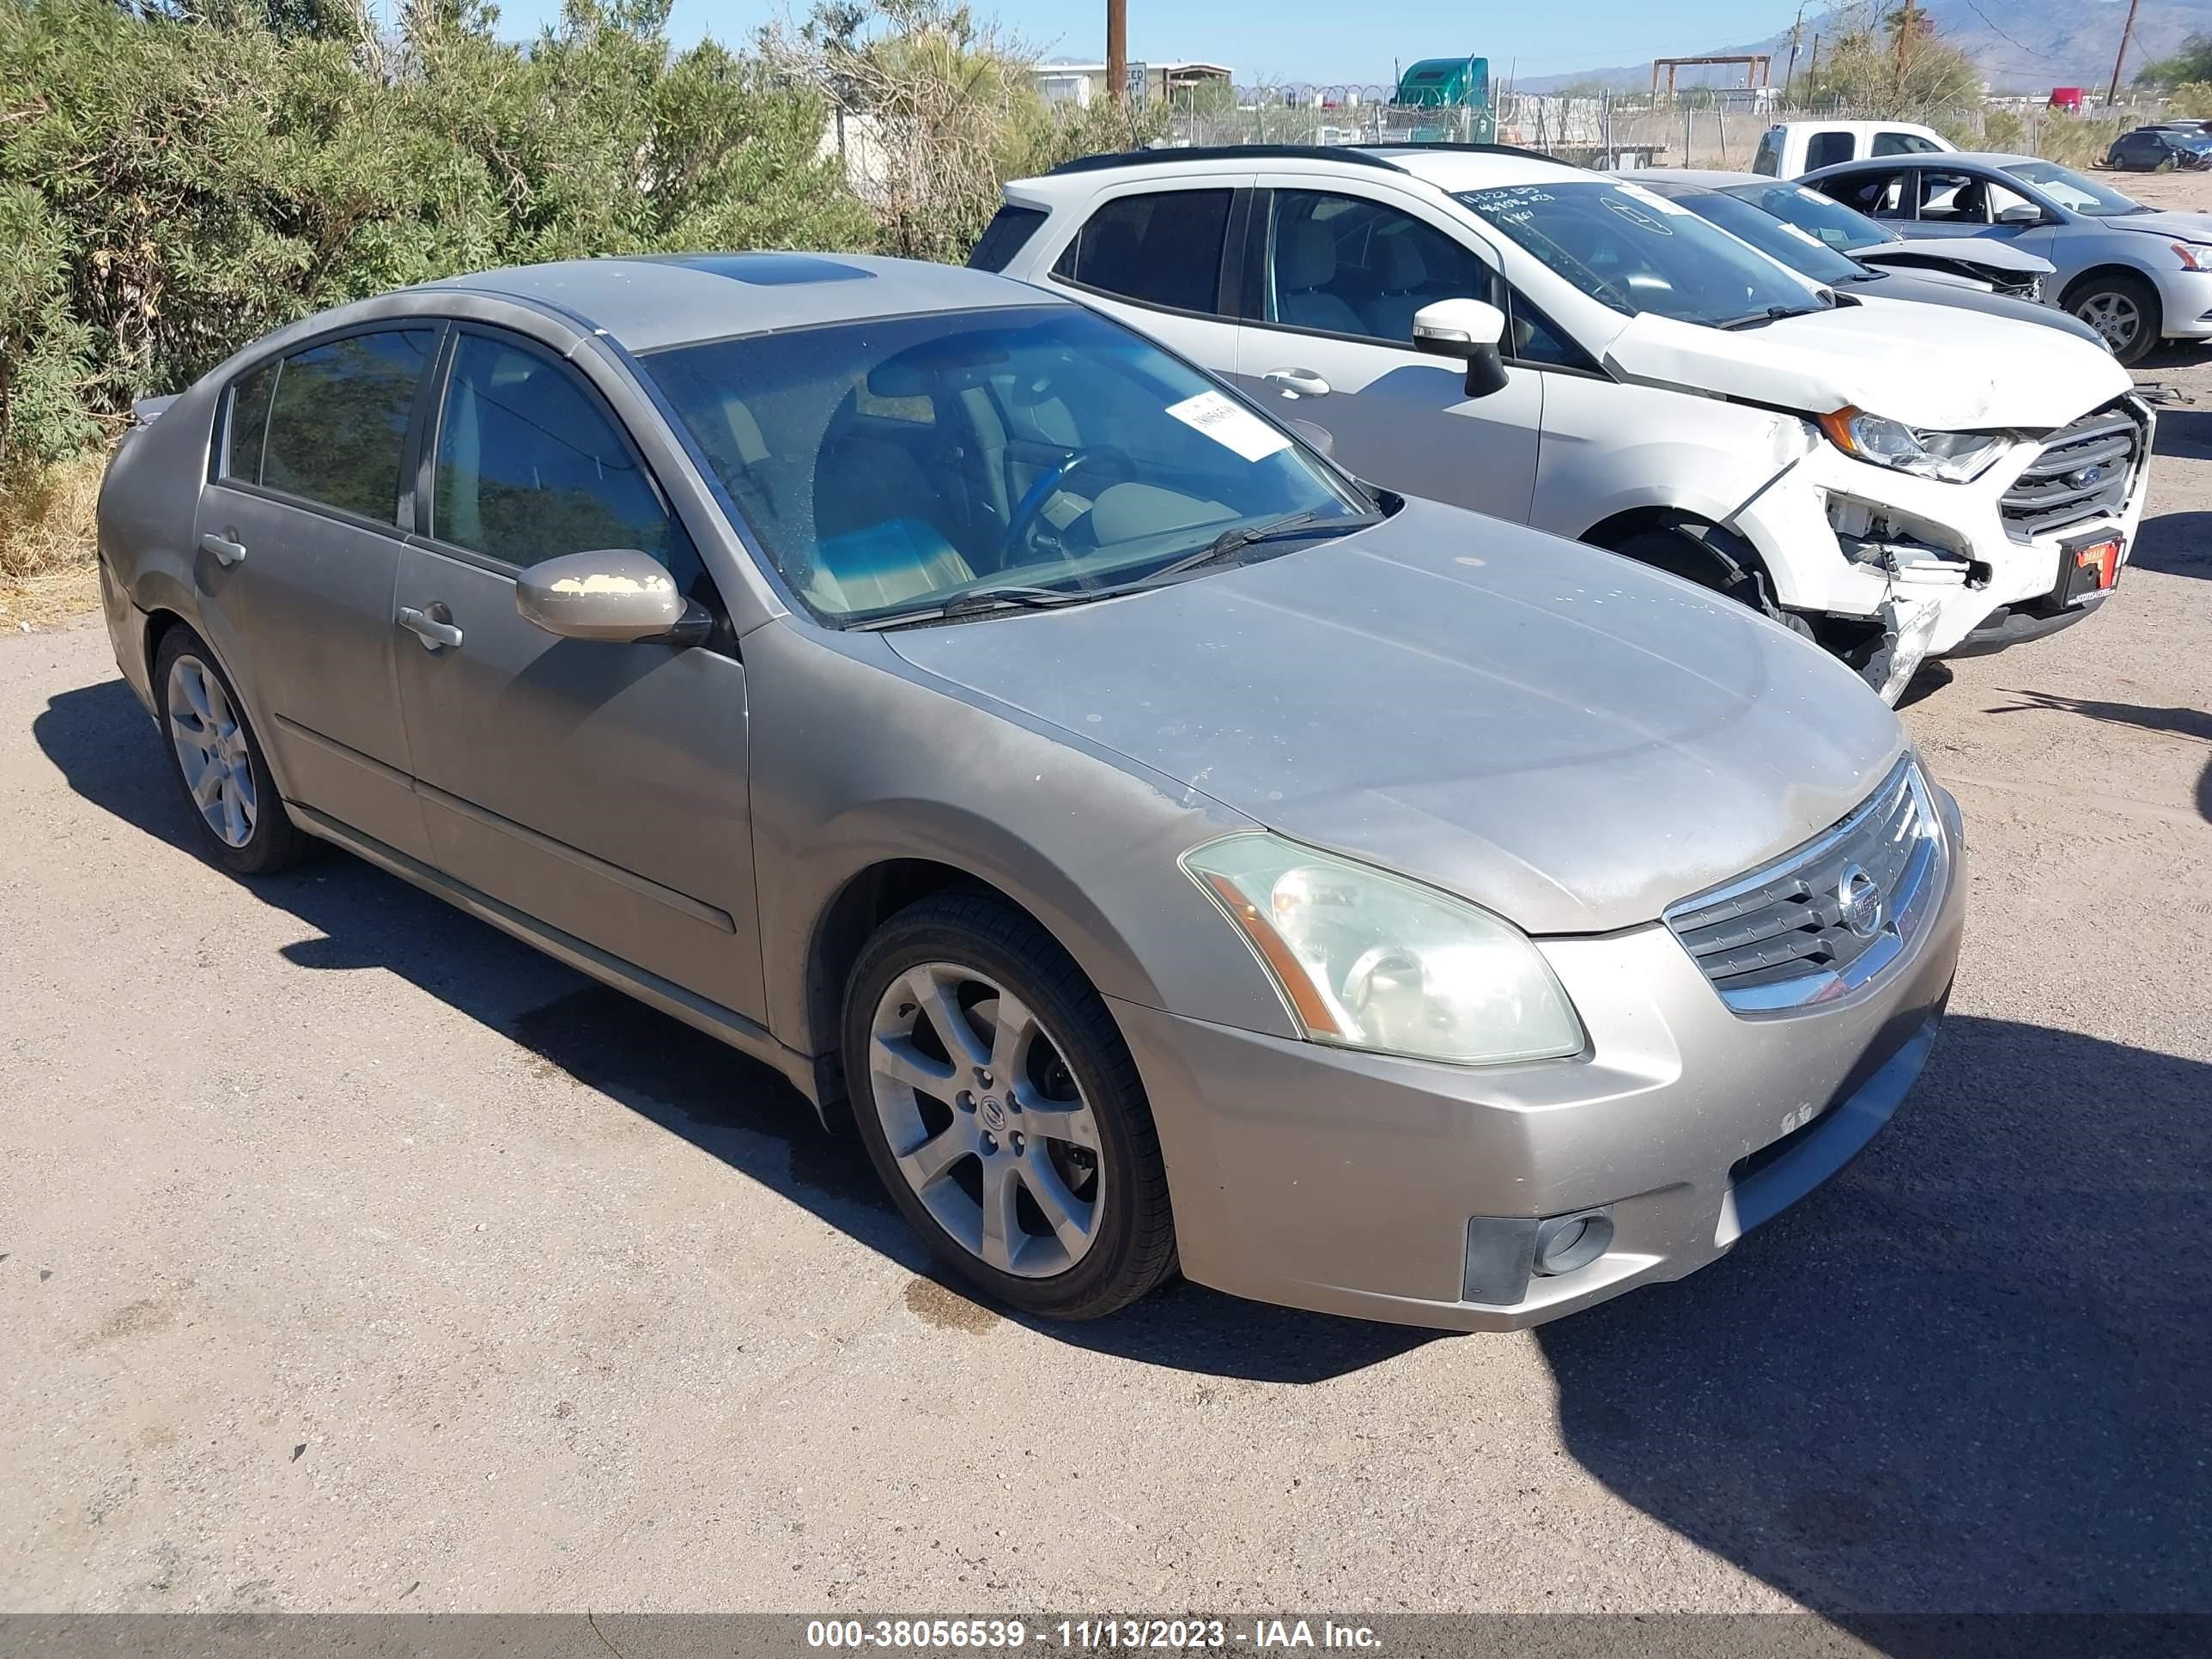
{"x": 2194, "y": 255}
{"x": 1368, "y": 960}
{"x": 1953, "y": 457}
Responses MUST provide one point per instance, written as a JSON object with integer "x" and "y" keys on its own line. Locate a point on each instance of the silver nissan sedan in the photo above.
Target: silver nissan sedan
{"x": 1164, "y": 851}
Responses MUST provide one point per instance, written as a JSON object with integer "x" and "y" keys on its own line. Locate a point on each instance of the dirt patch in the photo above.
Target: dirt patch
{"x": 931, "y": 1303}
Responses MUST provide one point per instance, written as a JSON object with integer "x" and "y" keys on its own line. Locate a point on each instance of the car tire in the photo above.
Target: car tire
{"x": 1712, "y": 558}
{"x": 217, "y": 763}
{"x": 2103, "y": 303}
{"x": 1045, "y": 1125}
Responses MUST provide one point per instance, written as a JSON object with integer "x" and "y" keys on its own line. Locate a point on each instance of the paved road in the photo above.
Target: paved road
{"x": 352, "y": 1257}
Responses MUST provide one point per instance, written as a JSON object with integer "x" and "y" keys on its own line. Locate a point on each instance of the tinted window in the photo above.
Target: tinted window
{"x": 1108, "y": 459}
{"x": 1836, "y": 225}
{"x": 1826, "y": 148}
{"x": 1777, "y": 239}
{"x": 338, "y": 427}
{"x": 528, "y": 468}
{"x": 1769, "y": 159}
{"x": 1163, "y": 249}
{"x": 1902, "y": 144}
{"x": 1882, "y": 195}
{"x": 1352, "y": 266}
{"x": 1008, "y": 233}
{"x": 249, "y": 424}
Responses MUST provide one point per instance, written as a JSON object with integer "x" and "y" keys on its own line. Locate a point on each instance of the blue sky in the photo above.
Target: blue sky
{"x": 1346, "y": 41}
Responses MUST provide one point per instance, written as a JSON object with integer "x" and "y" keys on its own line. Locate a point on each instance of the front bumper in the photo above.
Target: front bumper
{"x": 2184, "y": 304}
{"x": 1933, "y": 562}
{"x": 1351, "y": 1183}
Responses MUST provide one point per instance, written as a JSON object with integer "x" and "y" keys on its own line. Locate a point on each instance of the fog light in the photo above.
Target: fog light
{"x": 1568, "y": 1241}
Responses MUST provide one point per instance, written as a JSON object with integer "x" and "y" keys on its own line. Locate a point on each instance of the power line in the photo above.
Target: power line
{"x": 2051, "y": 56}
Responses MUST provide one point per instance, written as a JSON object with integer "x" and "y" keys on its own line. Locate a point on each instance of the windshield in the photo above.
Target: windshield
{"x": 2070, "y": 189}
{"x": 1637, "y": 252}
{"x": 1803, "y": 252}
{"x": 1845, "y": 229}
{"x": 895, "y": 465}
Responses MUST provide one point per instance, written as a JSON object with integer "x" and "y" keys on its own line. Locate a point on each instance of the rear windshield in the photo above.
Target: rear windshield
{"x": 1838, "y": 227}
{"x": 1777, "y": 239}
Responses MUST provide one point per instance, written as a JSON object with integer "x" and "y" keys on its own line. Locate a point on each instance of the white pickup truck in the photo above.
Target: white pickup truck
{"x": 1791, "y": 148}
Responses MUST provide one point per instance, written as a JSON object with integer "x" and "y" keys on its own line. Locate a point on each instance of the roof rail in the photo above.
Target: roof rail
{"x": 1449, "y": 146}
{"x": 1141, "y": 158}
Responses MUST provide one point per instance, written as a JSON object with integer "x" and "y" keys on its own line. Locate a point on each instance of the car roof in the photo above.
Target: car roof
{"x": 1934, "y": 158}
{"x": 1448, "y": 167}
{"x": 644, "y": 303}
{"x": 1704, "y": 178}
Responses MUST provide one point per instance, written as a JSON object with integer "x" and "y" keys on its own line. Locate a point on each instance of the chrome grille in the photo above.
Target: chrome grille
{"x": 1820, "y": 922}
{"x": 2084, "y": 471}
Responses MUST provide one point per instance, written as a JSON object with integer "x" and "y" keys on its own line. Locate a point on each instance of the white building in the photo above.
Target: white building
{"x": 1068, "y": 82}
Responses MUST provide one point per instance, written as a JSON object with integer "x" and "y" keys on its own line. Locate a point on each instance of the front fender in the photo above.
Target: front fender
{"x": 858, "y": 760}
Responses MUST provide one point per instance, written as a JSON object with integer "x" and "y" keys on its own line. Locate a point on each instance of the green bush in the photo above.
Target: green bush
{"x": 170, "y": 188}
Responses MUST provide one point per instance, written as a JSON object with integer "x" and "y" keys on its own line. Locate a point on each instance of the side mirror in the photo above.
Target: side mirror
{"x": 617, "y": 594}
{"x": 2025, "y": 214}
{"x": 1315, "y": 437}
{"x": 1469, "y": 330}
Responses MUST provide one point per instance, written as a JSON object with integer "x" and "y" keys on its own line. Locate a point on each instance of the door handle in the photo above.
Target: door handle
{"x": 226, "y": 551}
{"x": 1295, "y": 382}
{"x": 434, "y": 633}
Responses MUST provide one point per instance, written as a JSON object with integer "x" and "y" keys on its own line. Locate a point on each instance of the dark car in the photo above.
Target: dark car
{"x": 1746, "y": 216}
{"x": 2161, "y": 149}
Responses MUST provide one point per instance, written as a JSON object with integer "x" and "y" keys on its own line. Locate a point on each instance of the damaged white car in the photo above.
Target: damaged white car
{"x": 1495, "y": 329}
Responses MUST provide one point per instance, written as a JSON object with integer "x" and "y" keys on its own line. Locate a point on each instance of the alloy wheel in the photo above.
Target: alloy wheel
{"x": 2113, "y": 315}
{"x": 212, "y": 752}
{"x": 984, "y": 1120}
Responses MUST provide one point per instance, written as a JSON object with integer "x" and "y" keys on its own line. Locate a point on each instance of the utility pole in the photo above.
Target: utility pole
{"x": 1790, "y": 74}
{"x": 1117, "y": 50}
{"x": 2128, "y": 28}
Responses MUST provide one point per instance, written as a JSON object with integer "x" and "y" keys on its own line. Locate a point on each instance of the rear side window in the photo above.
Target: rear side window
{"x": 338, "y": 423}
{"x": 1769, "y": 159}
{"x": 1008, "y": 233}
{"x": 249, "y": 424}
{"x": 1826, "y": 148}
{"x": 529, "y": 468}
{"x": 1902, "y": 144}
{"x": 1162, "y": 249}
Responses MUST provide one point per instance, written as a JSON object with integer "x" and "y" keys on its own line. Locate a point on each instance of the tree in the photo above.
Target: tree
{"x": 2192, "y": 64}
{"x": 1875, "y": 60}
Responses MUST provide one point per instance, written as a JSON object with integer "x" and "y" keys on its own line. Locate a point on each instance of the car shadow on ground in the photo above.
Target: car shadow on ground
{"x": 2192, "y": 724}
{"x": 1968, "y": 1375}
{"x": 2175, "y": 544}
{"x": 734, "y": 1108}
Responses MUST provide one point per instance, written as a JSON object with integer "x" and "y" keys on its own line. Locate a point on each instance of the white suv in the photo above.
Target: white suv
{"x": 1895, "y": 480}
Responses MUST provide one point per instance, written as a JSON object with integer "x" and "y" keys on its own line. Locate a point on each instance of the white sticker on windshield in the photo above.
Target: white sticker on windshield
{"x": 1235, "y": 429}
{"x": 1654, "y": 199}
{"x": 1800, "y": 232}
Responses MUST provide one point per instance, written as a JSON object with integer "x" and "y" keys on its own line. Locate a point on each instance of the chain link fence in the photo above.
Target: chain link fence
{"x": 1715, "y": 130}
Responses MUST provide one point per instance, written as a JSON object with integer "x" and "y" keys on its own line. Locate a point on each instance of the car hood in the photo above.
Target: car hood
{"x": 1925, "y": 365}
{"x": 1570, "y": 740}
{"x": 1983, "y": 251}
{"x": 2167, "y": 227}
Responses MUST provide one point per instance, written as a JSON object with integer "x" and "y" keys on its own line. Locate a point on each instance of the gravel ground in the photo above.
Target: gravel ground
{"x": 352, "y": 1257}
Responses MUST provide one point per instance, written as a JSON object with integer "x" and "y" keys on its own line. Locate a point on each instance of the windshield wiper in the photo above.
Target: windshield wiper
{"x": 972, "y": 600}
{"x": 1771, "y": 314}
{"x": 1231, "y": 542}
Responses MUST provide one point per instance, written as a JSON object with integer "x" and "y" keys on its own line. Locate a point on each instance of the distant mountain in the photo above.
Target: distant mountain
{"x": 2021, "y": 46}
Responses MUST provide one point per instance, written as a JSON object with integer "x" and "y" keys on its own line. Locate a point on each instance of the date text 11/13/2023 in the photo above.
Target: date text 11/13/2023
{"x": 987, "y": 1636}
